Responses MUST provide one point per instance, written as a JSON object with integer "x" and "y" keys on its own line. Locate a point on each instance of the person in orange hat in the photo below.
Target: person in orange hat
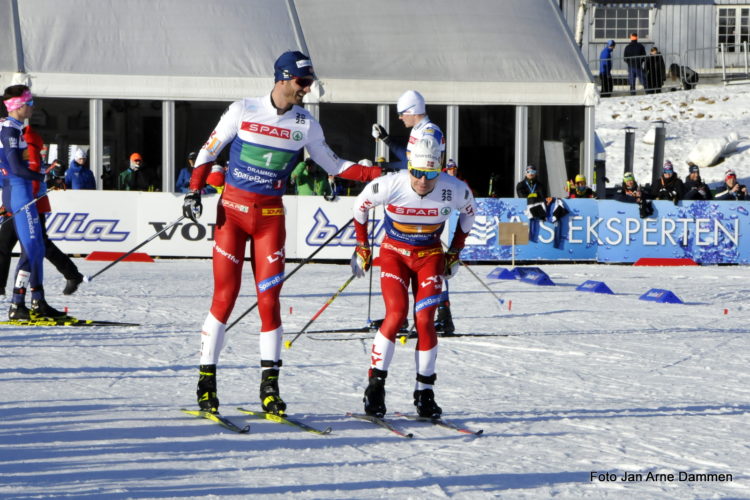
{"x": 635, "y": 56}
{"x": 134, "y": 178}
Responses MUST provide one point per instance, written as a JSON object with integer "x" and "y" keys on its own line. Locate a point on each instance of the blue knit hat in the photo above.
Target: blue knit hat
{"x": 611, "y": 43}
{"x": 291, "y": 64}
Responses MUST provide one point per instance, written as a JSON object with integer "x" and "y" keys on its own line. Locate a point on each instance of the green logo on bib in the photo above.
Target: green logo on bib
{"x": 445, "y": 210}
{"x": 297, "y": 135}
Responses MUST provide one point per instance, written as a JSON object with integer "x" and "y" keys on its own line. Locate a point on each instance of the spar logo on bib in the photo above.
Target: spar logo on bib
{"x": 269, "y": 130}
{"x": 423, "y": 212}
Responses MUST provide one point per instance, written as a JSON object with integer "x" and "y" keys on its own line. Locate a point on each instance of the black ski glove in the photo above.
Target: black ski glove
{"x": 192, "y": 208}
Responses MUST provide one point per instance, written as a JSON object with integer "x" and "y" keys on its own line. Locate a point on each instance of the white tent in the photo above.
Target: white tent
{"x": 476, "y": 51}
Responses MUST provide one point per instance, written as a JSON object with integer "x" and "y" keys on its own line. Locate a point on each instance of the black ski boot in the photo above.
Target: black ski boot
{"x": 424, "y": 400}
{"x": 269, "y": 392}
{"x": 375, "y": 393}
{"x": 206, "y": 392}
{"x": 40, "y": 309}
{"x": 19, "y": 312}
{"x": 71, "y": 285}
{"x": 444, "y": 322}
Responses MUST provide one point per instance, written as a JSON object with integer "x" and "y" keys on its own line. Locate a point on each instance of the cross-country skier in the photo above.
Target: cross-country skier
{"x": 417, "y": 203}
{"x": 17, "y": 194}
{"x": 266, "y": 136}
{"x": 412, "y": 112}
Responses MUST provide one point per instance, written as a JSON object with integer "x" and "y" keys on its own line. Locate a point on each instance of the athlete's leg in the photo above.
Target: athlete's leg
{"x": 267, "y": 258}
{"x": 429, "y": 270}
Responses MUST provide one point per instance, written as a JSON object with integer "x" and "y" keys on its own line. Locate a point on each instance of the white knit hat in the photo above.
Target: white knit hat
{"x": 411, "y": 102}
{"x": 79, "y": 154}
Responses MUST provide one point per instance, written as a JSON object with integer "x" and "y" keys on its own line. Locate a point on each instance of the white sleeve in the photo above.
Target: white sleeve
{"x": 372, "y": 195}
{"x": 467, "y": 208}
{"x": 222, "y": 135}
{"x": 322, "y": 154}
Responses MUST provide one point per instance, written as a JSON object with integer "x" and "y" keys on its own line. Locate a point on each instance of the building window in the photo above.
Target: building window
{"x": 733, "y": 29}
{"x": 616, "y": 21}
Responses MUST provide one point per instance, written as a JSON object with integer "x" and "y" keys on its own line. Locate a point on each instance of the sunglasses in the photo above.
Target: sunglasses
{"x": 303, "y": 82}
{"x": 30, "y": 102}
{"x": 428, "y": 174}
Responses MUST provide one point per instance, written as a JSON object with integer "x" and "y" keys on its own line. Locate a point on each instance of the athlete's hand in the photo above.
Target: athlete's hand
{"x": 452, "y": 263}
{"x": 361, "y": 260}
{"x": 378, "y": 132}
{"x": 192, "y": 208}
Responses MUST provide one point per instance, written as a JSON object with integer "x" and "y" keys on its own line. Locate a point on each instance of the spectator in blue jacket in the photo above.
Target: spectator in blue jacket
{"x": 183, "y": 178}
{"x": 605, "y": 68}
{"x": 79, "y": 176}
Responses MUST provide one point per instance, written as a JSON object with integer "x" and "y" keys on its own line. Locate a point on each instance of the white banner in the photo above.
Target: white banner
{"x": 116, "y": 221}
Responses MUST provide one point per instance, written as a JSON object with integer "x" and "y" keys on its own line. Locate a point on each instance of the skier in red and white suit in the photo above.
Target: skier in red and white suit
{"x": 417, "y": 203}
{"x": 266, "y": 136}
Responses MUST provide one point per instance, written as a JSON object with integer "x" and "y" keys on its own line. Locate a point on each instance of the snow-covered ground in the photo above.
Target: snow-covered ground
{"x": 583, "y": 383}
{"x": 708, "y": 112}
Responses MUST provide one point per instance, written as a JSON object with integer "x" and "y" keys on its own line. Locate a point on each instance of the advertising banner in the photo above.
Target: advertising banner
{"x": 708, "y": 232}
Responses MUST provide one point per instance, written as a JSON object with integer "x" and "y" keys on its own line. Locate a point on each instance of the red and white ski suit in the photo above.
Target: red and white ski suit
{"x": 411, "y": 255}
{"x": 264, "y": 148}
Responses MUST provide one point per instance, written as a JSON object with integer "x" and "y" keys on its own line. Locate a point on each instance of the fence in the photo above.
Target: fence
{"x": 682, "y": 70}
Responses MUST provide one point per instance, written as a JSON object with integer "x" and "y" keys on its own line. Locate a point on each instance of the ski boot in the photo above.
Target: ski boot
{"x": 269, "y": 392}
{"x": 40, "y": 309}
{"x": 375, "y": 393}
{"x": 444, "y": 322}
{"x": 207, "y": 400}
{"x": 71, "y": 285}
{"x": 19, "y": 312}
{"x": 424, "y": 400}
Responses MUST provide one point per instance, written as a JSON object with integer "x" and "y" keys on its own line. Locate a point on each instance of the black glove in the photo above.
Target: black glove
{"x": 378, "y": 132}
{"x": 192, "y": 208}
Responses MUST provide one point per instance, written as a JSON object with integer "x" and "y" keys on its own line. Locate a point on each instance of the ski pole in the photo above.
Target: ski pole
{"x": 89, "y": 278}
{"x": 10, "y": 217}
{"x": 308, "y": 259}
{"x": 288, "y": 343}
{"x": 499, "y": 300}
{"x": 369, "y": 293}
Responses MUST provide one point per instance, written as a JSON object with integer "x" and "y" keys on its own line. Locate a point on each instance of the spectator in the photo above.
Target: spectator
{"x": 605, "y": 69}
{"x": 731, "y": 189}
{"x": 309, "y": 179}
{"x": 635, "y": 54}
{"x": 630, "y": 192}
{"x": 670, "y": 186}
{"x": 687, "y": 77}
{"x": 134, "y": 178}
{"x": 695, "y": 188}
{"x": 79, "y": 176}
{"x": 109, "y": 178}
{"x": 534, "y": 192}
{"x": 655, "y": 71}
{"x": 183, "y": 178}
{"x": 579, "y": 189}
{"x": 451, "y": 168}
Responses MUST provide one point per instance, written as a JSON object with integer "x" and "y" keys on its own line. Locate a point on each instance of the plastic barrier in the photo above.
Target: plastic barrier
{"x": 501, "y": 273}
{"x": 538, "y": 277}
{"x": 595, "y": 287}
{"x": 659, "y": 295}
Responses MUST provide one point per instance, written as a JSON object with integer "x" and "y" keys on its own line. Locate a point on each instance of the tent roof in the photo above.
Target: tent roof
{"x": 479, "y": 51}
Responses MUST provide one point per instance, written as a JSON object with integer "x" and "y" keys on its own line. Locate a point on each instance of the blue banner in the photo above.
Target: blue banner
{"x": 708, "y": 232}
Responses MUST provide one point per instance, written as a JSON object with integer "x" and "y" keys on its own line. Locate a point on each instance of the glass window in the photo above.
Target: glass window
{"x": 732, "y": 28}
{"x": 194, "y": 122}
{"x": 132, "y": 126}
{"x": 486, "y": 149}
{"x": 615, "y": 22}
{"x": 63, "y": 125}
